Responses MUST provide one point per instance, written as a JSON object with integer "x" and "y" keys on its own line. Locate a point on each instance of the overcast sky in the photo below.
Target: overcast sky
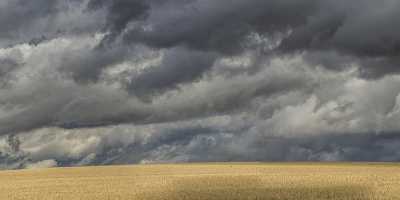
{"x": 150, "y": 81}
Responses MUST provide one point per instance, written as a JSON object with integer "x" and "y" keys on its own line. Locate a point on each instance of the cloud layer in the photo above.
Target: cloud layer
{"x": 136, "y": 81}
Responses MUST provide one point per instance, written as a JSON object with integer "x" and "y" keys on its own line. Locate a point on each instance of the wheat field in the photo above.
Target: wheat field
{"x": 217, "y": 181}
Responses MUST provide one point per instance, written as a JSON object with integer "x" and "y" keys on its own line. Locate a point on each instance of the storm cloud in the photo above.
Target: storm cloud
{"x": 141, "y": 81}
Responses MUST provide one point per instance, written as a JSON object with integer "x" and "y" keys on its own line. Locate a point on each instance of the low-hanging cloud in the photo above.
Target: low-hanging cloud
{"x": 138, "y": 81}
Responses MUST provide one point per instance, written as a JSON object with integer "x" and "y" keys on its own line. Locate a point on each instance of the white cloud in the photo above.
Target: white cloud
{"x": 42, "y": 164}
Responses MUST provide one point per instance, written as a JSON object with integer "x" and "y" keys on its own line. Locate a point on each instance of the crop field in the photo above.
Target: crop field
{"x": 216, "y": 181}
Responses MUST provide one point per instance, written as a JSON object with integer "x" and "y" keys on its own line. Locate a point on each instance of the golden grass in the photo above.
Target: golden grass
{"x": 218, "y": 181}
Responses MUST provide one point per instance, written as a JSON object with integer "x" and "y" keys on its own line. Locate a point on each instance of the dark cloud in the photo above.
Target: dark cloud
{"x": 37, "y": 41}
{"x": 71, "y": 105}
{"x": 362, "y": 29}
{"x": 196, "y": 143}
{"x": 313, "y": 25}
{"x": 7, "y": 66}
{"x": 19, "y": 13}
{"x": 86, "y": 65}
{"x": 25, "y": 21}
{"x": 198, "y": 80}
{"x": 222, "y": 26}
{"x": 178, "y": 66}
{"x": 119, "y": 14}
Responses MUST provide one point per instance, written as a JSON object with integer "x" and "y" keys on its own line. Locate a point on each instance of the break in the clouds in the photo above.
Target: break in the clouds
{"x": 142, "y": 81}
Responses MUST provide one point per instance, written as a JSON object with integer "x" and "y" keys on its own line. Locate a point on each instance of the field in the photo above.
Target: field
{"x": 217, "y": 181}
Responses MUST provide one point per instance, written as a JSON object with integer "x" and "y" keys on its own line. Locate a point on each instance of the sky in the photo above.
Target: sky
{"x": 100, "y": 82}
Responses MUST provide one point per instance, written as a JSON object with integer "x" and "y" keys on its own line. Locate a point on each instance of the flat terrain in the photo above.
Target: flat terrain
{"x": 217, "y": 181}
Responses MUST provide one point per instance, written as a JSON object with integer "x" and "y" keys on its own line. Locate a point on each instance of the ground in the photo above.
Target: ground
{"x": 219, "y": 181}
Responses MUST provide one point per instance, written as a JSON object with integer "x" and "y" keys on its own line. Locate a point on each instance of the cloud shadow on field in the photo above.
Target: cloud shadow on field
{"x": 252, "y": 187}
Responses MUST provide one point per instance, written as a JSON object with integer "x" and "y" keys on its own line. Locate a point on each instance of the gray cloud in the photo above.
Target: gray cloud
{"x": 213, "y": 139}
{"x": 313, "y": 25}
{"x": 211, "y": 25}
{"x": 15, "y": 14}
{"x": 178, "y": 66}
{"x": 71, "y": 105}
{"x": 24, "y": 21}
{"x": 106, "y": 82}
{"x": 86, "y": 65}
{"x": 7, "y": 66}
{"x": 120, "y": 12}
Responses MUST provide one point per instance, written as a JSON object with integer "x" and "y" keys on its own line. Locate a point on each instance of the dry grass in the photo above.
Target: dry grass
{"x": 207, "y": 181}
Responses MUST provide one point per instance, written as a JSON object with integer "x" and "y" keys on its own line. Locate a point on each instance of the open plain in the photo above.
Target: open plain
{"x": 219, "y": 181}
